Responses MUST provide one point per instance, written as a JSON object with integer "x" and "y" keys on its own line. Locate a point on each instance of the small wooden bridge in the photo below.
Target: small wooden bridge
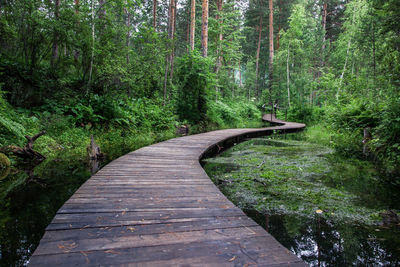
{"x": 157, "y": 207}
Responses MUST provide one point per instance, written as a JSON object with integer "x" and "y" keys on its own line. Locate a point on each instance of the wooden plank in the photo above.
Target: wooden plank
{"x": 220, "y": 253}
{"x": 85, "y": 220}
{"x": 133, "y": 241}
{"x": 202, "y": 223}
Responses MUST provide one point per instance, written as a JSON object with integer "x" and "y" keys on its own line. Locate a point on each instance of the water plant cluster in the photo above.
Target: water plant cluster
{"x": 278, "y": 176}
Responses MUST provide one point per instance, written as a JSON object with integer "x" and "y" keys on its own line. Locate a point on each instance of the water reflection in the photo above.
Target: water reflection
{"x": 248, "y": 173}
{"x": 30, "y": 197}
{"x": 323, "y": 243}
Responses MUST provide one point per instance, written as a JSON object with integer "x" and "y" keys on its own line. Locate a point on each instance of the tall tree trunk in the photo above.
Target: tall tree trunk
{"x": 279, "y": 26}
{"x": 324, "y": 16}
{"x": 128, "y": 33}
{"x": 76, "y": 52}
{"x": 258, "y": 55}
{"x": 155, "y": 15}
{"x": 204, "y": 28}
{"x": 54, "y": 54}
{"x": 92, "y": 48}
{"x": 166, "y": 79}
{"x": 344, "y": 69}
{"x": 373, "y": 51}
{"x": 192, "y": 23}
{"x": 240, "y": 75}
{"x": 173, "y": 19}
{"x": 220, "y": 36}
{"x": 168, "y": 57}
{"x": 345, "y": 62}
{"x": 170, "y": 18}
{"x": 287, "y": 75}
{"x": 271, "y": 46}
{"x": 188, "y": 30}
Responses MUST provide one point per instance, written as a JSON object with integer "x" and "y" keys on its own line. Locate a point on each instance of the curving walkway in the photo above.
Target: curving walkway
{"x": 157, "y": 207}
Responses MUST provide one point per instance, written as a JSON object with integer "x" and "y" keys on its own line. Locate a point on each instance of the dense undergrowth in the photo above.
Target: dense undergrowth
{"x": 341, "y": 126}
{"x": 286, "y": 176}
{"x": 119, "y": 126}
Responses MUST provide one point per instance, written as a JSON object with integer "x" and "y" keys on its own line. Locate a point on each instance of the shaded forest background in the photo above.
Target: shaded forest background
{"x": 125, "y": 71}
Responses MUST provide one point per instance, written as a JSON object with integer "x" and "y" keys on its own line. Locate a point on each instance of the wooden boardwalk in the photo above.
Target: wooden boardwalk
{"x": 157, "y": 207}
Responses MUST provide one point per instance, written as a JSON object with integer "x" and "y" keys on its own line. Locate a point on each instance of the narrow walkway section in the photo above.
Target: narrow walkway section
{"x": 157, "y": 207}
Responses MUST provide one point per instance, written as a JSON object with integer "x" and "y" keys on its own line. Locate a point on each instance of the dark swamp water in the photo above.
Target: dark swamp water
{"x": 323, "y": 208}
{"x": 29, "y": 198}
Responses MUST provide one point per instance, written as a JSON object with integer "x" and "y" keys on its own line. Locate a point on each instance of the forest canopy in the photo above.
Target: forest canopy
{"x": 128, "y": 68}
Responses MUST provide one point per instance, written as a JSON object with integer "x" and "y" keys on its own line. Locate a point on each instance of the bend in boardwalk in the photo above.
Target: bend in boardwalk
{"x": 157, "y": 207}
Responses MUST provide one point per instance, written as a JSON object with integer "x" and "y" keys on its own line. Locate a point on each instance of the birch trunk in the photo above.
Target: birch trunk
{"x": 344, "y": 69}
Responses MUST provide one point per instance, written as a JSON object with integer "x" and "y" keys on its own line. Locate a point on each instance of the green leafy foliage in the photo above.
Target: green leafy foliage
{"x": 193, "y": 79}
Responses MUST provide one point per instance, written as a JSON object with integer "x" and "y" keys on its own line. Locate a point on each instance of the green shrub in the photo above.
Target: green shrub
{"x": 193, "y": 79}
{"x": 240, "y": 113}
{"x": 305, "y": 113}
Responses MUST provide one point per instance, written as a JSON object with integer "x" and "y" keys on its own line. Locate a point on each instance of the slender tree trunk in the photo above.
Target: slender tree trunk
{"x": 344, "y": 69}
{"x": 168, "y": 57}
{"x": 345, "y": 62}
{"x": 258, "y": 55}
{"x": 188, "y": 30}
{"x": 220, "y": 36}
{"x": 373, "y": 50}
{"x": 155, "y": 15}
{"x": 165, "y": 80}
{"x": 192, "y": 23}
{"x": 173, "y": 13}
{"x": 279, "y": 26}
{"x": 324, "y": 16}
{"x": 54, "y": 54}
{"x": 170, "y": 18}
{"x": 271, "y": 46}
{"x": 92, "y": 48}
{"x": 76, "y": 52}
{"x": 288, "y": 75}
{"x": 128, "y": 33}
{"x": 240, "y": 75}
{"x": 204, "y": 28}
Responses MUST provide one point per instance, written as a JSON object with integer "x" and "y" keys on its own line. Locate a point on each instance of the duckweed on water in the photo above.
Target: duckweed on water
{"x": 277, "y": 176}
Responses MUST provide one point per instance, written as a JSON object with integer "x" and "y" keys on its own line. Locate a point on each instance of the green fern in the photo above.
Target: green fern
{"x": 8, "y": 127}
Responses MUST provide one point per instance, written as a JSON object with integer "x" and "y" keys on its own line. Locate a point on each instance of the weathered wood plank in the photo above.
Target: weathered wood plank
{"x": 138, "y": 228}
{"x": 211, "y": 253}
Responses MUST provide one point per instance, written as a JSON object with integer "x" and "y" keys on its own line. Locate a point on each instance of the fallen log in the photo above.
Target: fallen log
{"x": 27, "y": 151}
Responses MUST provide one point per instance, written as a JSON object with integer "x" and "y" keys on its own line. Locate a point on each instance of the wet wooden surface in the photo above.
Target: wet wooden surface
{"x": 157, "y": 207}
